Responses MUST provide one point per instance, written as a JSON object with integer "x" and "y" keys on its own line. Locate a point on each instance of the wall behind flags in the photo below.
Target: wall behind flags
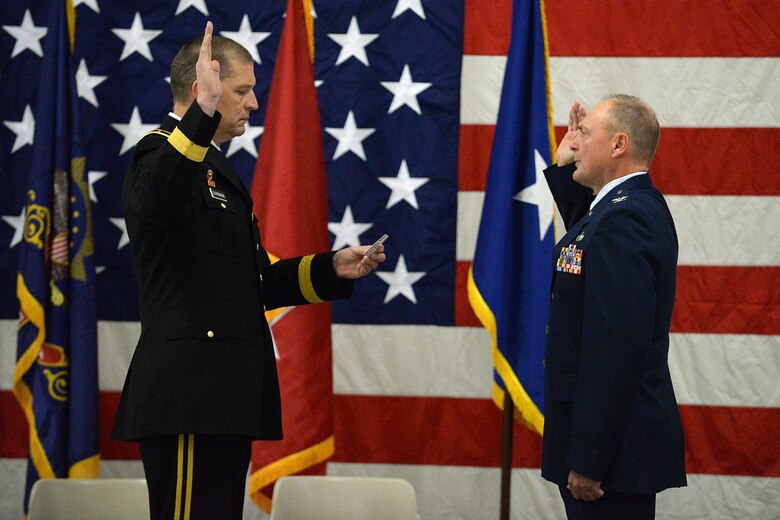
{"x": 416, "y": 402}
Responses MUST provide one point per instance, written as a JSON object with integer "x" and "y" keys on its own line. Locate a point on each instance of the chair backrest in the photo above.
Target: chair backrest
{"x": 343, "y": 498}
{"x": 89, "y": 499}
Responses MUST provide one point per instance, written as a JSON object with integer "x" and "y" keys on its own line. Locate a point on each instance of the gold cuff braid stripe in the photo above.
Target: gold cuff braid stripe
{"x": 187, "y": 148}
{"x": 304, "y": 280}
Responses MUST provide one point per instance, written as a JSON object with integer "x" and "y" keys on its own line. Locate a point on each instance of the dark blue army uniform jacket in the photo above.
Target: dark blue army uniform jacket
{"x": 610, "y": 410}
{"x": 204, "y": 363}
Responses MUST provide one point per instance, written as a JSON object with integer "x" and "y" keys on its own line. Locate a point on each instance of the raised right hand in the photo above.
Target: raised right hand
{"x": 209, "y": 86}
{"x": 565, "y": 155}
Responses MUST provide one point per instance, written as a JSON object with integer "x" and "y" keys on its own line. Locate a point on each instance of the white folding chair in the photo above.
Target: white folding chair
{"x": 343, "y": 498}
{"x": 89, "y": 499}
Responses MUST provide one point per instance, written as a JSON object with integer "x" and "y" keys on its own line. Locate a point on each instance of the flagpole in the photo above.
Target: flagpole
{"x": 506, "y": 455}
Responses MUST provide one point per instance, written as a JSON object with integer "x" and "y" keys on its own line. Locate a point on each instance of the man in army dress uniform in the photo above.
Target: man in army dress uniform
{"x": 202, "y": 383}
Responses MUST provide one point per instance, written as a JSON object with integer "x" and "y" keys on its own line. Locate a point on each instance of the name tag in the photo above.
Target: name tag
{"x": 216, "y": 194}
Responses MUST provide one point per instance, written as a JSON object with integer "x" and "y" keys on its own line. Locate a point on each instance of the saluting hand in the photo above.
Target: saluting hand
{"x": 208, "y": 85}
{"x": 565, "y": 155}
{"x": 351, "y": 263}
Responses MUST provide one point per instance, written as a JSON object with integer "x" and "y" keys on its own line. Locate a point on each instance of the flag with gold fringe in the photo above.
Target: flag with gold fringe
{"x": 290, "y": 195}
{"x": 55, "y": 380}
{"x": 509, "y": 281}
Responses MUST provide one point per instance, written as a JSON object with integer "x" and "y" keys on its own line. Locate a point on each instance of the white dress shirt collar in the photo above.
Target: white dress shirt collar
{"x": 611, "y": 184}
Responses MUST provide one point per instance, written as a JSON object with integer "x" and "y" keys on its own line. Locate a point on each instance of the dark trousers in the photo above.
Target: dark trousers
{"x": 196, "y": 477}
{"x": 611, "y": 506}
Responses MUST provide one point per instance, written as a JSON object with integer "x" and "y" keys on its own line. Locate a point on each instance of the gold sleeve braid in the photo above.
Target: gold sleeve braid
{"x": 187, "y": 148}
{"x": 304, "y": 280}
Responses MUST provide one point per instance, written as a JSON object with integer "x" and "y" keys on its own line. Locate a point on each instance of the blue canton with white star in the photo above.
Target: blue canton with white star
{"x": 388, "y": 80}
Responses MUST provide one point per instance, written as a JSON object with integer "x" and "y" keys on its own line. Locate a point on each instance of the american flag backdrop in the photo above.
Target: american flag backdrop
{"x": 409, "y": 97}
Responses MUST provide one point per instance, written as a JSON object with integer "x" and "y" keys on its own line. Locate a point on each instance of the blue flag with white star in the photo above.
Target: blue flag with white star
{"x": 509, "y": 282}
{"x": 55, "y": 380}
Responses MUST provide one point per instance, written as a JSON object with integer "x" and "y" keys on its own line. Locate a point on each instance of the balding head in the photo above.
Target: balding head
{"x": 633, "y": 116}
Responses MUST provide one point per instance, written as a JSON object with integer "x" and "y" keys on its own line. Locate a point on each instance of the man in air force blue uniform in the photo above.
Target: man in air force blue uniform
{"x": 612, "y": 434}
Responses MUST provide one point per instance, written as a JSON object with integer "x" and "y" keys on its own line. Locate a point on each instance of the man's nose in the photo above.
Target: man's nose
{"x": 251, "y": 103}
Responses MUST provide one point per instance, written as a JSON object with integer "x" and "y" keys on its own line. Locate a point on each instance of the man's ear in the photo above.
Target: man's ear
{"x": 194, "y": 89}
{"x": 619, "y": 144}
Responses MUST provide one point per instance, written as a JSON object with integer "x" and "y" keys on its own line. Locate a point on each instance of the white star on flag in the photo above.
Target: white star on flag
{"x": 18, "y": 224}
{"x": 200, "y": 5}
{"x": 136, "y": 39}
{"x": 539, "y": 195}
{"x": 24, "y": 129}
{"x": 347, "y": 231}
{"x": 92, "y": 178}
{"x": 122, "y": 225}
{"x": 246, "y": 37}
{"x": 353, "y": 43}
{"x": 246, "y": 141}
{"x": 403, "y": 187}
{"x": 132, "y": 131}
{"x": 27, "y": 35}
{"x": 92, "y": 4}
{"x": 409, "y": 5}
{"x": 85, "y": 84}
{"x": 400, "y": 281}
{"x": 405, "y": 91}
{"x": 350, "y": 137}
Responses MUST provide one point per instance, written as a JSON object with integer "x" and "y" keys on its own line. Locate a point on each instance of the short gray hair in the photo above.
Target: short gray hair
{"x": 633, "y": 116}
{"x": 183, "y": 74}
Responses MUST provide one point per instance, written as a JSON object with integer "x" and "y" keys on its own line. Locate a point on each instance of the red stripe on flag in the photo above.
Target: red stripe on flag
{"x": 109, "y": 448}
{"x": 729, "y": 168}
{"x": 398, "y": 430}
{"x": 732, "y": 441}
{"x": 464, "y": 314}
{"x": 476, "y": 142}
{"x": 426, "y": 430}
{"x": 727, "y": 300}
{"x": 709, "y": 29}
{"x": 14, "y": 442}
{"x": 710, "y": 299}
{"x": 13, "y": 428}
{"x": 719, "y": 440}
{"x": 486, "y": 27}
{"x": 735, "y": 28}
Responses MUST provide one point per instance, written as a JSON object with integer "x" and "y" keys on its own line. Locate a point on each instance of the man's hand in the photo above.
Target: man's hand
{"x": 565, "y": 155}
{"x": 208, "y": 85}
{"x": 583, "y": 488}
{"x": 350, "y": 262}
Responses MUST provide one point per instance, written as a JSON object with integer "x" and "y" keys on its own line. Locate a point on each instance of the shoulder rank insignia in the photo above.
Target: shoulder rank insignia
{"x": 570, "y": 260}
{"x": 619, "y": 199}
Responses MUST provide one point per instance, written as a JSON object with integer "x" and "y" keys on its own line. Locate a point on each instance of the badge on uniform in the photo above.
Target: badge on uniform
{"x": 570, "y": 260}
{"x": 619, "y": 199}
{"x": 210, "y": 179}
{"x": 216, "y": 194}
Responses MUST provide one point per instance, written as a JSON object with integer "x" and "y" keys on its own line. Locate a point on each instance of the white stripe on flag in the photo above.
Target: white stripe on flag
{"x": 712, "y": 230}
{"x": 412, "y": 360}
{"x": 726, "y": 230}
{"x": 725, "y": 369}
{"x": 743, "y": 92}
{"x": 429, "y": 361}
